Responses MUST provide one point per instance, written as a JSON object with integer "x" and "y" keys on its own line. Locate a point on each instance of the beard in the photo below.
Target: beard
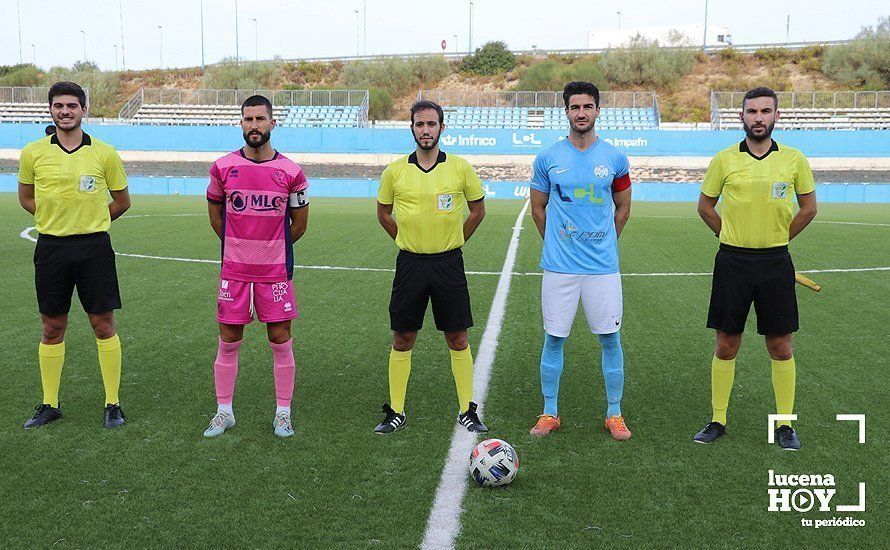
{"x": 749, "y": 131}
{"x": 580, "y": 130}
{"x": 427, "y": 147}
{"x": 264, "y": 138}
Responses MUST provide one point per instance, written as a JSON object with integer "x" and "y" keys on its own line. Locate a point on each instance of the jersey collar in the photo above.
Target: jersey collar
{"x": 274, "y": 157}
{"x": 412, "y": 159}
{"x": 86, "y": 140}
{"x": 743, "y": 148}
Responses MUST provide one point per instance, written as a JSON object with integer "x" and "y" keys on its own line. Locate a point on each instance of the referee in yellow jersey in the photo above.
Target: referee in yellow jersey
{"x": 758, "y": 180}
{"x": 64, "y": 181}
{"x": 427, "y": 191}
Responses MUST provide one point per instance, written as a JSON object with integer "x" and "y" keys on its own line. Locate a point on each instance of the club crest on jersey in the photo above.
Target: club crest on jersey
{"x": 601, "y": 171}
{"x": 446, "y": 201}
{"x": 279, "y": 177}
{"x": 780, "y": 189}
{"x": 87, "y": 183}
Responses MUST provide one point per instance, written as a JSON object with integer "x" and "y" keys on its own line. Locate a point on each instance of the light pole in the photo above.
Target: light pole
{"x": 120, "y": 6}
{"x": 357, "y": 43}
{"x": 84, "y": 34}
{"x": 115, "y": 57}
{"x": 787, "y": 27}
{"x": 619, "y": 19}
{"x": 256, "y": 55}
{"x": 454, "y": 36}
{"x": 202, "y": 36}
{"x": 237, "y": 58}
{"x": 704, "y": 43}
{"x": 33, "y": 55}
{"x": 470, "y": 40}
{"x": 18, "y": 8}
{"x": 365, "y": 26}
{"x": 161, "y": 39}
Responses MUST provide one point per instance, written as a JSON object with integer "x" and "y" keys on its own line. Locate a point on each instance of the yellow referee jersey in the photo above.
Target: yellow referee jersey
{"x": 429, "y": 204}
{"x": 71, "y": 187}
{"x": 758, "y": 193}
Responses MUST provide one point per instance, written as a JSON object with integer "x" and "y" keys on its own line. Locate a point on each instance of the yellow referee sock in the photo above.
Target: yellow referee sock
{"x": 52, "y": 357}
{"x": 722, "y": 375}
{"x": 399, "y": 370}
{"x": 462, "y": 369}
{"x": 784, "y": 377}
{"x": 110, "y": 365}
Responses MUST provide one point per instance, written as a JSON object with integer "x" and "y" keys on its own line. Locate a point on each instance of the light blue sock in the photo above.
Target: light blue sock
{"x": 613, "y": 371}
{"x": 551, "y": 370}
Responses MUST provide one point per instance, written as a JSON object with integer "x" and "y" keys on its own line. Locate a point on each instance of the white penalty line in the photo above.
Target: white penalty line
{"x": 443, "y": 525}
{"x": 26, "y": 234}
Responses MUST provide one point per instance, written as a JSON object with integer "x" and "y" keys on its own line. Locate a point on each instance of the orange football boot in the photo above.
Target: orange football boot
{"x": 617, "y": 427}
{"x": 546, "y": 423}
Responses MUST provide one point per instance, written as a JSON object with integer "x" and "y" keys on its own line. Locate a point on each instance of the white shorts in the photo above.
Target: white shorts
{"x": 600, "y": 295}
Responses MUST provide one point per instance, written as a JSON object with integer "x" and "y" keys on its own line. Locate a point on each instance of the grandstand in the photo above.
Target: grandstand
{"x": 292, "y": 108}
{"x": 811, "y": 110}
{"x": 542, "y": 110}
{"x": 24, "y": 105}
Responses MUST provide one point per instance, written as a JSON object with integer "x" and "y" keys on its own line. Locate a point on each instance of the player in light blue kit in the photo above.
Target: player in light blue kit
{"x": 580, "y": 198}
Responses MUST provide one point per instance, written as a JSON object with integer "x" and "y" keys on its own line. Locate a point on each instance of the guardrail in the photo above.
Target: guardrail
{"x": 570, "y": 51}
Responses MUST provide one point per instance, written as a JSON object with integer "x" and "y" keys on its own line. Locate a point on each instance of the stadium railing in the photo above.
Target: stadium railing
{"x": 297, "y": 108}
{"x": 542, "y": 110}
{"x": 846, "y": 110}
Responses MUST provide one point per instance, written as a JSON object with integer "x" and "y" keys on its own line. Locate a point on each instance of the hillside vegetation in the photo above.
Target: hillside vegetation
{"x": 683, "y": 78}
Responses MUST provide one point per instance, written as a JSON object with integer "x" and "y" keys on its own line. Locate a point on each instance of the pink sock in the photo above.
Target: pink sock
{"x": 225, "y": 370}
{"x": 283, "y": 369}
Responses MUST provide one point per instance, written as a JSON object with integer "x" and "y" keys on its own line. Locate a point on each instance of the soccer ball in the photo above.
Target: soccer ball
{"x": 493, "y": 463}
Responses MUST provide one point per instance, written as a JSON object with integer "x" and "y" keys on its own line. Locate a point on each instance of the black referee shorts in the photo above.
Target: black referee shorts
{"x": 82, "y": 261}
{"x": 763, "y": 276}
{"x": 421, "y": 277}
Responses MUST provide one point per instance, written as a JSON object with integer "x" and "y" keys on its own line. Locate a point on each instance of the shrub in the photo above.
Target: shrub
{"x": 19, "y": 75}
{"x": 865, "y": 62}
{"x": 244, "y": 76}
{"x": 644, "y": 63}
{"x": 553, "y": 75}
{"x": 491, "y": 59}
{"x": 381, "y": 104}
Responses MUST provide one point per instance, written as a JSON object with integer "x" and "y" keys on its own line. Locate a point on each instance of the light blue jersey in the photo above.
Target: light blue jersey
{"x": 580, "y": 237}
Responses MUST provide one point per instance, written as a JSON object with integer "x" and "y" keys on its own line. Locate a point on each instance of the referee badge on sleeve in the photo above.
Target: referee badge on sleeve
{"x": 87, "y": 184}
{"x": 780, "y": 189}
{"x": 446, "y": 202}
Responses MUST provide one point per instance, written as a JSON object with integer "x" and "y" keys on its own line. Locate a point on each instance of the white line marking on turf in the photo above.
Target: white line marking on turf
{"x": 443, "y": 525}
{"x": 26, "y": 234}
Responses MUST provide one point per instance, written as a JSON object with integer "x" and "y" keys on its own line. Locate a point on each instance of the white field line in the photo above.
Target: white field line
{"x": 443, "y": 525}
{"x": 26, "y": 234}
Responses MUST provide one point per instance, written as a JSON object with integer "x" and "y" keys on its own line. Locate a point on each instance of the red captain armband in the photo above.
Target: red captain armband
{"x": 620, "y": 184}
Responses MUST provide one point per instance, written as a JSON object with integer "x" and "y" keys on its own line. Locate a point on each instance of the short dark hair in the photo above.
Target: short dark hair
{"x": 67, "y": 88}
{"x": 580, "y": 87}
{"x": 423, "y": 105}
{"x": 256, "y": 101}
{"x": 761, "y": 91}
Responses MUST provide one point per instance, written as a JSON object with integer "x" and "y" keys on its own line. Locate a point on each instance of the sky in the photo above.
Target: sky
{"x": 56, "y": 33}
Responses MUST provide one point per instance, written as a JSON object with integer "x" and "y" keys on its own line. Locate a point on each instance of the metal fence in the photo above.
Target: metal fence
{"x": 838, "y": 101}
{"x": 35, "y": 94}
{"x": 532, "y": 100}
{"x": 163, "y": 96}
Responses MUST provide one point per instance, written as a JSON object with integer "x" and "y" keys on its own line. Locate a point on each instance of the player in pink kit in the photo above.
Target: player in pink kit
{"x": 258, "y": 208}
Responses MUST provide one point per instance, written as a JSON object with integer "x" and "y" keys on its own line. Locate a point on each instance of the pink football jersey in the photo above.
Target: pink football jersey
{"x": 258, "y": 198}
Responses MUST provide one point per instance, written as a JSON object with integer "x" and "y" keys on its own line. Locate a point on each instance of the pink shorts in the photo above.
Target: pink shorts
{"x": 273, "y": 302}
